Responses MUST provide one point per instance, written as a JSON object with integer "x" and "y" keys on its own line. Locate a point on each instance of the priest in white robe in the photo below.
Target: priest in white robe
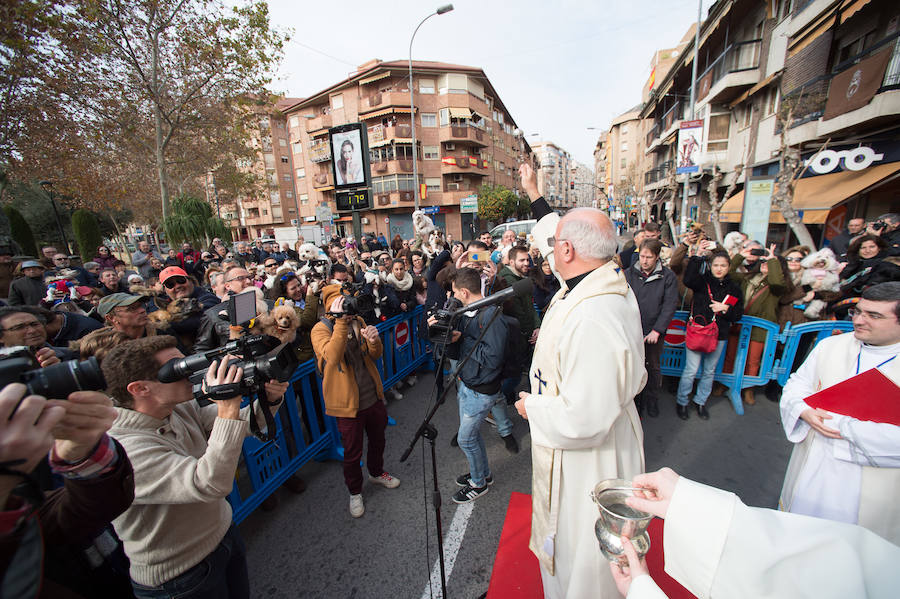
{"x": 717, "y": 547}
{"x": 845, "y": 468}
{"x": 588, "y": 365}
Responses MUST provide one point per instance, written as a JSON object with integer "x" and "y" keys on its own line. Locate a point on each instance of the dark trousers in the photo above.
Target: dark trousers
{"x": 372, "y": 421}
{"x": 650, "y": 393}
{"x": 220, "y": 575}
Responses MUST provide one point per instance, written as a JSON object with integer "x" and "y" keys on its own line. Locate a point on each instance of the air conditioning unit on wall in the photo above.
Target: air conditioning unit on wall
{"x": 364, "y": 221}
{"x": 458, "y": 178}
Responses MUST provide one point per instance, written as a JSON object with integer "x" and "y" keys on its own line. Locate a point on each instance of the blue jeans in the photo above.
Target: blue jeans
{"x": 220, "y": 575}
{"x": 692, "y": 361}
{"x": 501, "y": 416}
{"x": 473, "y": 407}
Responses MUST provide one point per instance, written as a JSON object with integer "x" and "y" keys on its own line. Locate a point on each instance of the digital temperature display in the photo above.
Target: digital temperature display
{"x": 352, "y": 200}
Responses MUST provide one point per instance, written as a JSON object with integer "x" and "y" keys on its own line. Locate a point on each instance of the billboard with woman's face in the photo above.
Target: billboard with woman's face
{"x": 350, "y": 156}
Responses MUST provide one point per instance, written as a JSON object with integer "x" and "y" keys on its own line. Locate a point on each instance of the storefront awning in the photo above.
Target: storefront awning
{"x": 816, "y": 196}
{"x": 375, "y": 78}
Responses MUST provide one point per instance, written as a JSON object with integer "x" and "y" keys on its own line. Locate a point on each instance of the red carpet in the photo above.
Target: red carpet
{"x": 516, "y": 574}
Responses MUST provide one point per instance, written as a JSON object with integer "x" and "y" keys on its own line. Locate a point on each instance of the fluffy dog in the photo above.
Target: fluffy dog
{"x": 821, "y": 272}
{"x": 282, "y": 322}
{"x": 175, "y": 311}
{"x": 315, "y": 263}
{"x": 423, "y": 226}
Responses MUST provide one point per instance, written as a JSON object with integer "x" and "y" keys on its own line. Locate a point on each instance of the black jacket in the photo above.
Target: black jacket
{"x": 697, "y": 276}
{"x": 657, "y": 296}
{"x": 484, "y": 368}
{"x": 26, "y": 291}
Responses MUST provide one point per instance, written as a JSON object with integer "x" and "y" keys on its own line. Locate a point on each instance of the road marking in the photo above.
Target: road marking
{"x": 452, "y": 543}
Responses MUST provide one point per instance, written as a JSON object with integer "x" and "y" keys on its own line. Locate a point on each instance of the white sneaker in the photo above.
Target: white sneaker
{"x": 385, "y": 480}
{"x": 412, "y": 380}
{"x": 357, "y": 508}
{"x": 396, "y": 395}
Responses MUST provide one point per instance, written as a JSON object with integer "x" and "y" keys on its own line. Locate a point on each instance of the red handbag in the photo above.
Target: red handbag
{"x": 701, "y": 338}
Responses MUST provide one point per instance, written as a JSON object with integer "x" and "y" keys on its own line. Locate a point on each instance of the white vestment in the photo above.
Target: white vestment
{"x": 718, "y": 547}
{"x": 855, "y": 479}
{"x": 588, "y": 365}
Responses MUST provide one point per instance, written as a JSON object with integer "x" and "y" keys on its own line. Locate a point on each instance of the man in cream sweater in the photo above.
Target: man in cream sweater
{"x": 178, "y": 532}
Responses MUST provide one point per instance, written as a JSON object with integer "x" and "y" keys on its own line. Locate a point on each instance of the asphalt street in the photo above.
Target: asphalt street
{"x": 310, "y": 546}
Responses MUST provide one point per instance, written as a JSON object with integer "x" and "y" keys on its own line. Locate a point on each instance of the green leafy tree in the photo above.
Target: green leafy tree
{"x": 497, "y": 203}
{"x": 192, "y": 220}
{"x": 87, "y": 233}
{"x": 21, "y": 232}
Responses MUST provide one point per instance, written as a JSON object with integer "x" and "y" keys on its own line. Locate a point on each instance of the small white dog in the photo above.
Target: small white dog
{"x": 821, "y": 272}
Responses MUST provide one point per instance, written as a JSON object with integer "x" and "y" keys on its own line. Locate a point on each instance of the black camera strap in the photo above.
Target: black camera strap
{"x": 262, "y": 400}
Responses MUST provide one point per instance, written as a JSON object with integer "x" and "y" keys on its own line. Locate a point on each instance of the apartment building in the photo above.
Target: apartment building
{"x": 464, "y": 139}
{"x": 553, "y": 175}
{"x": 625, "y": 163}
{"x": 271, "y": 202}
{"x": 825, "y": 71}
{"x": 581, "y": 185}
{"x": 601, "y": 176}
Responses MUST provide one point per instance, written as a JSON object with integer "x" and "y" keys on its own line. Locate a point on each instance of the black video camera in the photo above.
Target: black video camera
{"x": 262, "y": 357}
{"x": 356, "y": 300}
{"x": 19, "y": 365}
{"x": 879, "y": 225}
{"x": 439, "y": 332}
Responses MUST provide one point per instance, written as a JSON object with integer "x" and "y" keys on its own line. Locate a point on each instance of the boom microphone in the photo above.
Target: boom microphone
{"x": 521, "y": 286}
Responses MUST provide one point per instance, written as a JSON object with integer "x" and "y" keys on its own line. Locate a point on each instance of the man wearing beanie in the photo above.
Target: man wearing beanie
{"x": 345, "y": 352}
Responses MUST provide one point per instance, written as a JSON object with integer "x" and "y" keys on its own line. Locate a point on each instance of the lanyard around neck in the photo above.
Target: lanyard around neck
{"x": 859, "y": 355}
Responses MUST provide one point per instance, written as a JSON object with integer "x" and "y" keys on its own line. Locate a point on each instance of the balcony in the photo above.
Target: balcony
{"x": 734, "y": 71}
{"x": 459, "y": 163}
{"x": 386, "y": 199}
{"x": 320, "y": 180}
{"x": 811, "y": 98}
{"x": 391, "y": 167}
{"x": 463, "y": 132}
{"x": 319, "y": 123}
{"x": 665, "y": 127}
{"x": 320, "y": 151}
{"x": 383, "y": 100}
{"x": 657, "y": 177}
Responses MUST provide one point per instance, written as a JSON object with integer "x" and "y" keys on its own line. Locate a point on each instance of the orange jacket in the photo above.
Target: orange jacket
{"x": 338, "y": 378}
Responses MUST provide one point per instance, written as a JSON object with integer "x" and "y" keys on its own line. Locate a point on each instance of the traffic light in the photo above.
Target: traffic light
{"x": 572, "y": 185}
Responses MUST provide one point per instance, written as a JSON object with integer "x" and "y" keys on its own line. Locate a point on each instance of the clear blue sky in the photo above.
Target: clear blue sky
{"x": 559, "y": 66}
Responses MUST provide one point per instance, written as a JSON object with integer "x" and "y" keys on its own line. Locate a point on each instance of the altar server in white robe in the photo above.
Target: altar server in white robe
{"x": 588, "y": 365}
{"x": 843, "y": 468}
{"x": 716, "y": 546}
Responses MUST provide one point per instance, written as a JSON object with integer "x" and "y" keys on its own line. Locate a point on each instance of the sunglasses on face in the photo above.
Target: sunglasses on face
{"x": 172, "y": 281}
{"x": 240, "y": 278}
{"x": 794, "y": 259}
{"x": 272, "y": 265}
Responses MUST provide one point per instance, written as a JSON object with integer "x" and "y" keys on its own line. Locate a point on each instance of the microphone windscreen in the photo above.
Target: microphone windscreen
{"x": 523, "y": 285}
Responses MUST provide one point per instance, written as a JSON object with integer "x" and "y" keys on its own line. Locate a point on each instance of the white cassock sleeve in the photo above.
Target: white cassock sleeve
{"x": 643, "y": 587}
{"x": 595, "y": 383}
{"x": 799, "y": 386}
{"x": 718, "y": 547}
{"x": 867, "y": 443}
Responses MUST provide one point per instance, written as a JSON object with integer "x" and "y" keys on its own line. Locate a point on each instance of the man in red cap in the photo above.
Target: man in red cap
{"x": 178, "y": 285}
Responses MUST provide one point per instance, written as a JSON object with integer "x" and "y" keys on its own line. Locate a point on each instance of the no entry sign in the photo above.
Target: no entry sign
{"x": 401, "y": 334}
{"x": 675, "y": 332}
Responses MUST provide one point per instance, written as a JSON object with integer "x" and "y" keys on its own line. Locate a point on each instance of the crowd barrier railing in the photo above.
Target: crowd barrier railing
{"x": 771, "y": 367}
{"x": 303, "y": 431}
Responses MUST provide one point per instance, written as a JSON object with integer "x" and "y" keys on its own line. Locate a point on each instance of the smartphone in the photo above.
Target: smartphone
{"x": 711, "y": 245}
{"x": 758, "y": 252}
{"x": 479, "y": 256}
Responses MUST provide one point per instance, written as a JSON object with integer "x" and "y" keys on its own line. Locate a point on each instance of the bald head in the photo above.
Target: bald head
{"x": 585, "y": 239}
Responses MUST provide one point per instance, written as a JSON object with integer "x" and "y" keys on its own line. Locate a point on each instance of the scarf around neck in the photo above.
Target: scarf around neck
{"x": 403, "y": 285}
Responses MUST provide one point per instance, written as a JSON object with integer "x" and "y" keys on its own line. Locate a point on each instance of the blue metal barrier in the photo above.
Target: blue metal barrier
{"x": 303, "y": 431}
{"x": 672, "y": 358}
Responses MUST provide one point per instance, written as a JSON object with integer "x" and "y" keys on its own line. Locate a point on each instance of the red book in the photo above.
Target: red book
{"x": 869, "y": 396}
{"x": 730, "y": 300}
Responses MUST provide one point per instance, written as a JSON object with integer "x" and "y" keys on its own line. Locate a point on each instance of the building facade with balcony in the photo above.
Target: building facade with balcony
{"x": 601, "y": 175}
{"x": 553, "y": 175}
{"x": 464, "y": 139}
{"x": 625, "y": 161}
{"x": 582, "y": 192}
{"x": 827, "y": 72}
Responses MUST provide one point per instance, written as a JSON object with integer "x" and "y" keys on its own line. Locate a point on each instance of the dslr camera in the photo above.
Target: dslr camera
{"x": 356, "y": 301}
{"x": 439, "y": 332}
{"x": 19, "y": 364}
{"x": 262, "y": 357}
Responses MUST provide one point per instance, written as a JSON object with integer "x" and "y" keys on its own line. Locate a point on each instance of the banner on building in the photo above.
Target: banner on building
{"x": 704, "y": 84}
{"x": 855, "y": 87}
{"x": 690, "y": 134}
{"x": 757, "y": 206}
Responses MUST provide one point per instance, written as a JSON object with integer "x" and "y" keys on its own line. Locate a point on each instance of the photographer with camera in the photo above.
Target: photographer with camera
{"x": 22, "y": 327}
{"x": 179, "y": 534}
{"x": 345, "y": 353}
{"x": 214, "y": 326}
{"x": 479, "y": 379}
{"x": 47, "y": 546}
{"x": 887, "y": 226}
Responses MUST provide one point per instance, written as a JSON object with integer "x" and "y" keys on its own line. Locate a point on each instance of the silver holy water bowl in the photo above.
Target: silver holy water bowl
{"x": 617, "y": 519}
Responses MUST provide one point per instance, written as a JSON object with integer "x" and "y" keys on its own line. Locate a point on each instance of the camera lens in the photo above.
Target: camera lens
{"x": 59, "y": 380}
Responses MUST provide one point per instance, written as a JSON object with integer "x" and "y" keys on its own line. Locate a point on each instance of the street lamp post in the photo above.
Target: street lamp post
{"x": 47, "y": 186}
{"x": 412, "y": 106}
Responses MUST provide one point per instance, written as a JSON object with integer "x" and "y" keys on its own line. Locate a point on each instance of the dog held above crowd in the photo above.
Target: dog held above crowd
{"x": 146, "y": 469}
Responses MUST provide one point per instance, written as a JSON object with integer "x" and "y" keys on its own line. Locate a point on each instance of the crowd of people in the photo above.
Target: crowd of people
{"x": 171, "y": 462}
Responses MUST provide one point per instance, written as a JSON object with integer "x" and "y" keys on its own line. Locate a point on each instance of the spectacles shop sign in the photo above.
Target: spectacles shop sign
{"x": 855, "y": 158}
